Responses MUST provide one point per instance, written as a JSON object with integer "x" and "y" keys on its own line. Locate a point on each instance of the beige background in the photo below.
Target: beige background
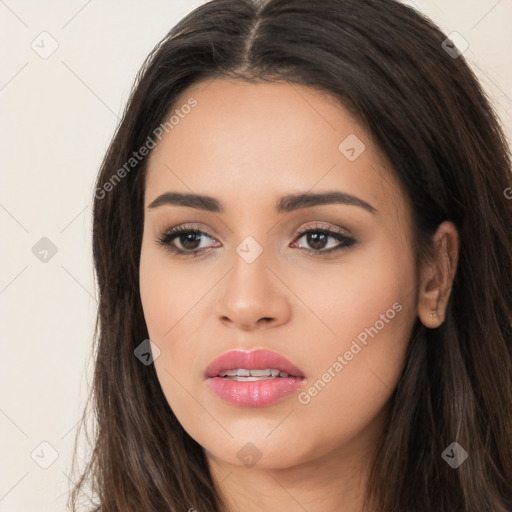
{"x": 57, "y": 116}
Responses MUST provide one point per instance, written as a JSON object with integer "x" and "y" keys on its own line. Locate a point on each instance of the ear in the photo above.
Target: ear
{"x": 437, "y": 278}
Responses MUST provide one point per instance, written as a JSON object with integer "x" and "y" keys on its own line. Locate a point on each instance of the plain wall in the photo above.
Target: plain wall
{"x": 57, "y": 117}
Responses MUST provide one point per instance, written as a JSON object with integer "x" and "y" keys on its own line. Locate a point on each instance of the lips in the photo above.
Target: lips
{"x": 259, "y": 359}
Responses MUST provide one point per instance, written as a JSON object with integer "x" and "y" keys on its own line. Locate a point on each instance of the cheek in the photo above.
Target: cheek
{"x": 358, "y": 295}
{"x": 167, "y": 301}
{"x": 371, "y": 309}
{"x": 165, "y": 290}
{"x": 152, "y": 293}
{"x": 173, "y": 296}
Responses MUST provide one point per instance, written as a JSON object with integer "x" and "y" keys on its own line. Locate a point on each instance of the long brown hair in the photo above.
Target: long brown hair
{"x": 388, "y": 65}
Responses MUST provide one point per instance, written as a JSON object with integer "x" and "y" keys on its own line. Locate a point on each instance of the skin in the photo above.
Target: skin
{"x": 247, "y": 145}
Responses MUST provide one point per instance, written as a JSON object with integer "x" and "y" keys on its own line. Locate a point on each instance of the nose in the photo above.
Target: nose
{"x": 253, "y": 296}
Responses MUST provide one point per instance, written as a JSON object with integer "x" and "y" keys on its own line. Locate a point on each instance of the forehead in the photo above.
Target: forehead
{"x": 252, "y": 142}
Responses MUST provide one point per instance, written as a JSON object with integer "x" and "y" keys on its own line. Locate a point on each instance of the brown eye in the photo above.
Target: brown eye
{"x": 317, "y": 239}
{"x": 183, "y": 240}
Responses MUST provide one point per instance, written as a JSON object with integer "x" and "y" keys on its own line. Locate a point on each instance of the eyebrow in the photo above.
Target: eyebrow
{"x": 284, "y": 205}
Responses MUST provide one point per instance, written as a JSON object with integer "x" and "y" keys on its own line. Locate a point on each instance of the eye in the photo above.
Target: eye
{"x": 318, "y": 237}
{"x": 189, "y": 239}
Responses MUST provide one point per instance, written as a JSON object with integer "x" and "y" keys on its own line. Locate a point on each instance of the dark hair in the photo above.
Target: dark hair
{"x": 428, "y": 114}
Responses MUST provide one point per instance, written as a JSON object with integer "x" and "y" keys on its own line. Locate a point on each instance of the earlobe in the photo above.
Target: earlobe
{"x": 436, "y": 280}
{"x": 430, "y": 309}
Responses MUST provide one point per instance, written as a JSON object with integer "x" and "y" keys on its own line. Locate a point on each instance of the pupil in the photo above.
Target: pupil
{"x": 313, "y": 240}
{"x": 188, "y": 242}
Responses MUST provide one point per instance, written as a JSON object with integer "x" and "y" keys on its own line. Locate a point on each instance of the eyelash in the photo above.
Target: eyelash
{"x": 168, "y": 237}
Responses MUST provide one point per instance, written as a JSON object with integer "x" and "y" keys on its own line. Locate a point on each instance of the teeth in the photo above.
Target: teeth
{"x": 249, "y": 379}
{"x": 260, "y": 373}
{"x": 251, "y": 375}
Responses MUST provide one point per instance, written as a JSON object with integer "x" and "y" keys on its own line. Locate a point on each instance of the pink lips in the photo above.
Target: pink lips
{"x": 253, "y": 393}
{"x": 254, "y": 360}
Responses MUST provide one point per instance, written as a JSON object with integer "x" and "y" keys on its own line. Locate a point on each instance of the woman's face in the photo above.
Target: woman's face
{"x": 250, "y": 279}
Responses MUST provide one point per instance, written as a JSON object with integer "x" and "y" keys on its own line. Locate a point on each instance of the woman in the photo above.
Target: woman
{"x": 302, "y": 242}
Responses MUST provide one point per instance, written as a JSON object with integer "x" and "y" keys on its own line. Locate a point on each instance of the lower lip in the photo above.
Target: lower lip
{"x": 256, "y": 393}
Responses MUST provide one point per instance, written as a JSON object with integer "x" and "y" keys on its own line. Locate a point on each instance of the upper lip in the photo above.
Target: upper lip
{"x": 259, "y": 359}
